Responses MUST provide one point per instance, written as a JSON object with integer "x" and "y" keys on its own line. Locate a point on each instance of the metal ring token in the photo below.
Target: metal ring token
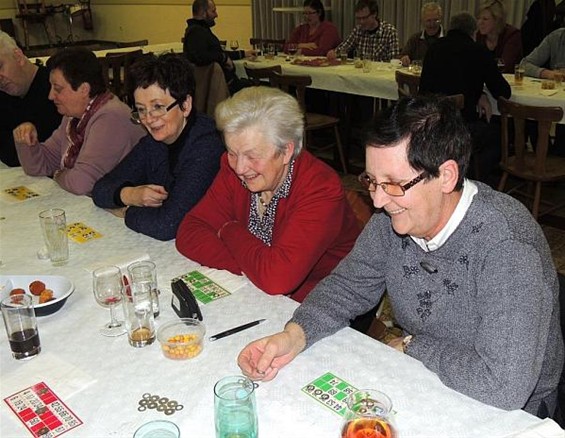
{"x": 172, "y": 404}
{"x": 154, "y": 398}
{"x": 169, "y": 411}
{"x": 163, "y": 400}
{"x": 151, "y": 405}
{"x": 143, "y": 402}
{"x": 161, "y": 407}
{"x": 146, "y": 395}
{"x": 141, "y": 408}
{"x": 179, "y": 407}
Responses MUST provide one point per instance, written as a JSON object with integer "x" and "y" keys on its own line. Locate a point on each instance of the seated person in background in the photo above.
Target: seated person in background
{"x": 202, "y": 47}
{"x": 24, "y": 88}
{"x": 547, "y": 57}
{"x": 543, "y": 62}
{"x": 96, "y": 132}
{"x": 372, "y": 37}
{"x": 316, "y": 36}
{"x": 500, "y": 38}
{"x": 468, "y": 271}
{"x": 417, "y": 45}
{"x": 456, "y": 64}
{"x": 170, "y": 169}
{"x": 274, "y": 212}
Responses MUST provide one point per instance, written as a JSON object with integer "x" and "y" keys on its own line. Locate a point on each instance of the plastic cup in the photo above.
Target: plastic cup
{"x": 235, "y": 409}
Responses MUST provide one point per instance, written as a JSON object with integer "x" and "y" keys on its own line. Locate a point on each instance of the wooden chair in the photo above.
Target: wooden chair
{"x": 360, "y": 205}
{"x": 407, "y": 83}
{"x": 115, "y": 69}
{"x": 211, "y": 88}
{"x": 296, "y": 85}
{"x": 138, "y": 43}
{"x": 33, "y": 13}
{"x": 256, "y": 74}
{"x": 530, "y": 167}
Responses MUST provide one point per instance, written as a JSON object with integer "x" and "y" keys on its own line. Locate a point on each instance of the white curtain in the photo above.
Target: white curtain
{"x": 404, "y": 14}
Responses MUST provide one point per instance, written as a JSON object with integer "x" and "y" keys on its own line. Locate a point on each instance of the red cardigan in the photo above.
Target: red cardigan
{"x": 326, "y": 38}
{"x": 508, "y": 47}
{"x": 314, "y": 229}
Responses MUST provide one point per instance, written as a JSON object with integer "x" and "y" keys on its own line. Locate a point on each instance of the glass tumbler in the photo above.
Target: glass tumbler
{"x": 235, "y": 409}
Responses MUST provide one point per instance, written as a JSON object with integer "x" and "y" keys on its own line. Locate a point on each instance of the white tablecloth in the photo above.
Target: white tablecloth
{"x": 102, "y": 379}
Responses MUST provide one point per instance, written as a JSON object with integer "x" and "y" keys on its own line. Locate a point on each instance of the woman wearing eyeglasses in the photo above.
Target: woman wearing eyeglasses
{"x": 170, "y": 169}
{"x": 501, "y": 39}
{"x": 316, "y": 36}
{"x": 275, "y": 212}
{"x": 95, "y": 134}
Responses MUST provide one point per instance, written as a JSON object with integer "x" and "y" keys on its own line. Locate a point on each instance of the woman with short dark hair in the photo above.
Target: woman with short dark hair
{"x": 95, "y": 134}
{"x": 169, "y": 170}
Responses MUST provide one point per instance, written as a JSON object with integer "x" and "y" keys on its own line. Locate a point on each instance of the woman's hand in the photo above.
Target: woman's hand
{"x": 26, "y": 134}
{"x": 149, "y": 195}
{"x": 262, "y": 359}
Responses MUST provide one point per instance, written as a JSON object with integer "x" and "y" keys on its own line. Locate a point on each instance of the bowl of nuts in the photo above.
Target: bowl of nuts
{"x": 182, "y": 338}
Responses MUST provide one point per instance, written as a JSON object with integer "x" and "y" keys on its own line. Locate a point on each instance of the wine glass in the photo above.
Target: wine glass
{"x": 292, "y": 48}
{"x": 108, "y": 286}
{"x": 234, "y": 45}
{"x": 368, "y": 413}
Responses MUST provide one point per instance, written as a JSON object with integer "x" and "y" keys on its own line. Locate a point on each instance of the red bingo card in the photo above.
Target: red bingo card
{"x": 42, "y": 412}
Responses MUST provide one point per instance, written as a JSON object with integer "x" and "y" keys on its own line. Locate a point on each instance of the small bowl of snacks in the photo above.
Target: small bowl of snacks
{"x": 182, "y": 338}
{"x": 48, "y": 292}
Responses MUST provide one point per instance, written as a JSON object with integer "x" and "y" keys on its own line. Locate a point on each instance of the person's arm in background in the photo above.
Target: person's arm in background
{"x": 197, "y": 236}
{"x": 42, "y": 159}
{"x": 407, "y": 52}
{"x": 347, "y": 44}
{"x": 540, "y": 56}
{"x": 328, "y": 40}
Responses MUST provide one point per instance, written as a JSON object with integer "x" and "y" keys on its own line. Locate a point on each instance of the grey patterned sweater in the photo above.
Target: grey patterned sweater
{"x": 487, "y": 322}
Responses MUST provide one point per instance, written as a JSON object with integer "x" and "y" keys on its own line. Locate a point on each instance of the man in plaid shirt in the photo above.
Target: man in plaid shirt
{"x": 372, "y": 37}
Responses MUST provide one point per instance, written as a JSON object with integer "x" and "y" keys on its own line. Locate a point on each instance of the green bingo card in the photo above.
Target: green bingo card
{"x": 331, "y": 391}
{"x": 204, "y": 289}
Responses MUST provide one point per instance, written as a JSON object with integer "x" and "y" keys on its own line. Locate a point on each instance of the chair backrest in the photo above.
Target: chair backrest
{"x": 36, "y": 7}
{"x": 292, "y": 84}
{"x": 256, "y": 74}
{"x": 211, "y": 88}
{"x": 115, "y": 69}
{"x": 407, "y": 83}
{"x": 360, "y": 206}
{"x": 544, "y": 116}
{"x": 138, "y": 43}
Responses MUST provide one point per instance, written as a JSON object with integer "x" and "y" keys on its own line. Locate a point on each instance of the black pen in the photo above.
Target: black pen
{"x": 236, "y": 330}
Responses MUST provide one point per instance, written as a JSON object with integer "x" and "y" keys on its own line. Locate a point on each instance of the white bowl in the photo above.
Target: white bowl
{"x": 62, "y": 288}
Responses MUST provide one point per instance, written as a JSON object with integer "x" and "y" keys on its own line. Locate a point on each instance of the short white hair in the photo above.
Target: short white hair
{"x": 432, "y": 6}
{"x": 7, "y": 43}
{"x": 275, "y": 113}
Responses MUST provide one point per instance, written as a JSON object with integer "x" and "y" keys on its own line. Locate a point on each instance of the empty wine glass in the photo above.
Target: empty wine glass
{"x": 234, "y": 45}
{"x": 107, "y": 287}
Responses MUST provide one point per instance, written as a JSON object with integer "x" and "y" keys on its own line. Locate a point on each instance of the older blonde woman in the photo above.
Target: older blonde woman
{"x": 274, "y": 212}
{"x": 501, "y": 39}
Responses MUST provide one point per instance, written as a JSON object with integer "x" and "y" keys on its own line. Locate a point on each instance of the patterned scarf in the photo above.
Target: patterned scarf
{"x": 77, "y": 127}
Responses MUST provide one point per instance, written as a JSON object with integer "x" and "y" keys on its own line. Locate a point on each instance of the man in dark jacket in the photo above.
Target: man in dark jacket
{"x": 24, "y": 91}
{"x": 202, "y": 47}
{"x": 456, "y": 64}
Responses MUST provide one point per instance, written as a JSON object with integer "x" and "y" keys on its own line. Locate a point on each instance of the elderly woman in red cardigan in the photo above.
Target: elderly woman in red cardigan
{"x": 274, "y": 212}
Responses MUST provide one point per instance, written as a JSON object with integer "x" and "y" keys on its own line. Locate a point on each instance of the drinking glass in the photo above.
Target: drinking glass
{"x": 143, "y": 278}
{"x": 21, "y": 326}
{"x": 234, "y": 44}
{"x": 368, "y": 414}
{"x": 519, "y": 72}
{"x": 54, "y": 229}
{"x": 292, "y": 48}
{"x": 108, "y": 286}
{"x": 415, "y": 67}
{"x": 343, "y": 56}
{"x": 138, "y": 311}
{"x": 235, "y": 409}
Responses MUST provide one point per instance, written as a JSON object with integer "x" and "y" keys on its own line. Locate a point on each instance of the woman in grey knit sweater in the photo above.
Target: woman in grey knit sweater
{"x": 468, "y": 270}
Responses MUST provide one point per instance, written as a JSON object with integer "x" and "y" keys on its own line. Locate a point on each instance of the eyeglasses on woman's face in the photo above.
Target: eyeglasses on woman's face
{"x": 158, "y": 111}
{"x": 390, "y": 188}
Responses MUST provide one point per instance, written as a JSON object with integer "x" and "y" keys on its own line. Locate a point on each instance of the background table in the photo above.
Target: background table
{"x": 102, "y": 379}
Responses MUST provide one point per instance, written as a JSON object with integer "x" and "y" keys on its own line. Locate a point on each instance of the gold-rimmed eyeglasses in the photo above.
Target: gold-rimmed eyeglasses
{"x": 390, "y": 188}
{"x": 158, "y": 111}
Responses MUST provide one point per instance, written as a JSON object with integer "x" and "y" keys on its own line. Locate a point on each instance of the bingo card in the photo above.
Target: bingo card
{"x": 202, "y": 287}
{"x": 42, "y": 412}
{"x": 331, "y": 391}
{"x": 81, "y": 233}
{"x": 21, "y": 193}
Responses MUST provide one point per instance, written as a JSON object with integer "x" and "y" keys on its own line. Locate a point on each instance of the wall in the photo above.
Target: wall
{"x": 159, "y": 21}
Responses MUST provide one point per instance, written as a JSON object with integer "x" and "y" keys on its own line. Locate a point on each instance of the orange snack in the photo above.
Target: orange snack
{"x": 17, "y": 291}
{"x": 36, "y": 287}
{"x": 46, "y": 295}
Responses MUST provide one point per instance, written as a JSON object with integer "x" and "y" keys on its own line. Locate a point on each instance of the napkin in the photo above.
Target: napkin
{"x": 226, "y": 279}
{"x": 121, "y": 261}
{"x": 546, "y": 429}
{"x": 62, "y": 377}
